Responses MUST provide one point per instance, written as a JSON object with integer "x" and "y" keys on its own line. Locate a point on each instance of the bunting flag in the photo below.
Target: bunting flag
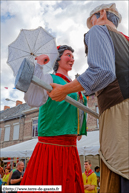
{"x": 8, "y": 88}
{"x": 87, "y": 97}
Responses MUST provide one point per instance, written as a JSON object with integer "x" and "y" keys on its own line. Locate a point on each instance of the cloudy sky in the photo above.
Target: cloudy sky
{"x": 65, "y": 20}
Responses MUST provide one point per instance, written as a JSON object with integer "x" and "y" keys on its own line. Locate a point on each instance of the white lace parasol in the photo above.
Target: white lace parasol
{"x": 29, "y": 44}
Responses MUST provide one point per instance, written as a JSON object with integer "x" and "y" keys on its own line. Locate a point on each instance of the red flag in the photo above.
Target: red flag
{"x": 125, "y": 36}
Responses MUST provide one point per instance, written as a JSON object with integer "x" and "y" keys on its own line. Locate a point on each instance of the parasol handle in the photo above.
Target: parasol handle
{"x": 68, "y": 99}
{"x": 37, "y": 56}
{"x": 33, "y": 54}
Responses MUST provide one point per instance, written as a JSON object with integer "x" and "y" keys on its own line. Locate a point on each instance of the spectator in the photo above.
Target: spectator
{"x": 89, "y": 178}
{"x": 6, "y": 175}
{"x": 1, "y": 172}
{"x": 14, "y": 169}
{"x": 97, "y": 171}
{"x": 17, "y": 175}
{"x": 14, "y": 165}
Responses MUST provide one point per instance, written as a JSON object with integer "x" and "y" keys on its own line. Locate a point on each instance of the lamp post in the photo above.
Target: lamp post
{"x": 7, "y": 99}
{"x": 17, "y": 101}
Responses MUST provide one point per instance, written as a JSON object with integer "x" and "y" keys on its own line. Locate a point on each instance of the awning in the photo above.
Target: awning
{"x": 88, "y": 145}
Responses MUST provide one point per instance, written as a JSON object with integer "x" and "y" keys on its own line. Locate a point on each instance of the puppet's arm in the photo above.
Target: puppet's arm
{"x": 35, "y": 95}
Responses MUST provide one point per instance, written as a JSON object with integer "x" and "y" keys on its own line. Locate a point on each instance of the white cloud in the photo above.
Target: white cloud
{"x": 65, "y": 20}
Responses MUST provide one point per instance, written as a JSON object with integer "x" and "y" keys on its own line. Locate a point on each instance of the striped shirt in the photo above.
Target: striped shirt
{"x": 101, "y": 60}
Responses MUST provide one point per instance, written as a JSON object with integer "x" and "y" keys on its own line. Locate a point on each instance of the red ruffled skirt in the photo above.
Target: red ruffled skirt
{"x": 55, "y": 161}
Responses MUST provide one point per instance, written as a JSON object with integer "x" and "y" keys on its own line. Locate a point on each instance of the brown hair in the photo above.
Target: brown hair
{"x": 87, "y": 160}
{"x": 61, "y": 50}
{"x": 8, "y": 168}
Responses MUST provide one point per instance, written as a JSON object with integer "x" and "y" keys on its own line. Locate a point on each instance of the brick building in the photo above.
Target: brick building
{"x": 92, "y": 123}
{"x": 20, "y": 123}
{"x": 16, "y": 124}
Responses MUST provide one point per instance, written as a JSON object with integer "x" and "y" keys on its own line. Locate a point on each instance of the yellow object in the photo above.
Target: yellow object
{"x": 5, "y": 178}
{"x": 92, "y": 180}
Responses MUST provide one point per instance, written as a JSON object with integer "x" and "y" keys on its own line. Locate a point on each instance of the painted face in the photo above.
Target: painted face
{"x": 66, "y": 61}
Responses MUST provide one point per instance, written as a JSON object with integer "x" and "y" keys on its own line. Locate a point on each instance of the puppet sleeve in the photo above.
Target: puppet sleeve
{"x": 35, "y": 95}
{"x": 101, "y": 60}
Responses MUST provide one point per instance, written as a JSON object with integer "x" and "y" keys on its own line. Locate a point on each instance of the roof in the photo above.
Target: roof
{"x": 13, "y": 112}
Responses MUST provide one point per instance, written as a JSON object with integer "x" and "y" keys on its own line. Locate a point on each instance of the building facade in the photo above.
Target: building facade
{"x": 20, "y": 123}
{"x": 16, "y": 124}
{"x": 92, "y": 123}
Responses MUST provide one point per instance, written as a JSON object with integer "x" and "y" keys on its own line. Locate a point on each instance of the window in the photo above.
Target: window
{"x": 97, "y": 111}
{"x": 16, "y": 132}
{"x": 35, "y": 128}
{"x": 7, "y": 133}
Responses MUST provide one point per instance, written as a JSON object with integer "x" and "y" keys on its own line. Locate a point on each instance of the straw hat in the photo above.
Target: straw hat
{"x": 108, "y": 7}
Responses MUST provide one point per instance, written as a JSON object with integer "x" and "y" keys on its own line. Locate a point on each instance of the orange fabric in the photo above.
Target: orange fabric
{"x": 109, "y": 181}
{"x": 55, "y": 165}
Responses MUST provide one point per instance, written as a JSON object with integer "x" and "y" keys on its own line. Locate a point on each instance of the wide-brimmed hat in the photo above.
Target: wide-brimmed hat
{"x": 108, "y": 7}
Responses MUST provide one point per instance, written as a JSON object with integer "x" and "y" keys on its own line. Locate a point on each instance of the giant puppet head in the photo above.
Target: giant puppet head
{"x": 61, "y": 50}
{"x": 111, "y": 11}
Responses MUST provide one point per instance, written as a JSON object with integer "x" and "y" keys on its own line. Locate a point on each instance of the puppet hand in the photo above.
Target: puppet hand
{"x": 79, "y": 137}
{"x": 42, "y": 59}
{"x": 57, "y": 92}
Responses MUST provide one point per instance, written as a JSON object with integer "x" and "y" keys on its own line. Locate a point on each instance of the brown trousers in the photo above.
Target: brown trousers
{"x": 109, "y": 181}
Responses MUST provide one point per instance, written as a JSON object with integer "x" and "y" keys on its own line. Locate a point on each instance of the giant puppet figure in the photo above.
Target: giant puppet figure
{"x": 108, "y": 76}
{"x": 55, "y": 159}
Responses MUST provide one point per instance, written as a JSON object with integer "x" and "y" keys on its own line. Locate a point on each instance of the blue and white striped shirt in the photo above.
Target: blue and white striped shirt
{"x": 101, "y": 60}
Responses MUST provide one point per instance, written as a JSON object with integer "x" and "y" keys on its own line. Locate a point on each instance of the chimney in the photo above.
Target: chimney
{"x": 6, "y": 107}
{"x": 18, "y": 103}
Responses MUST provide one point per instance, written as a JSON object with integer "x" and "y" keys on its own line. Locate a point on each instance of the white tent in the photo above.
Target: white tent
{"x": 88, "y": 145}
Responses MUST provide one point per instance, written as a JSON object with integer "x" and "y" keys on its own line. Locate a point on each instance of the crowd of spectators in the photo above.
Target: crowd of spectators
{"x": 91, "y": 179}
{"x": 12, "y": 176}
